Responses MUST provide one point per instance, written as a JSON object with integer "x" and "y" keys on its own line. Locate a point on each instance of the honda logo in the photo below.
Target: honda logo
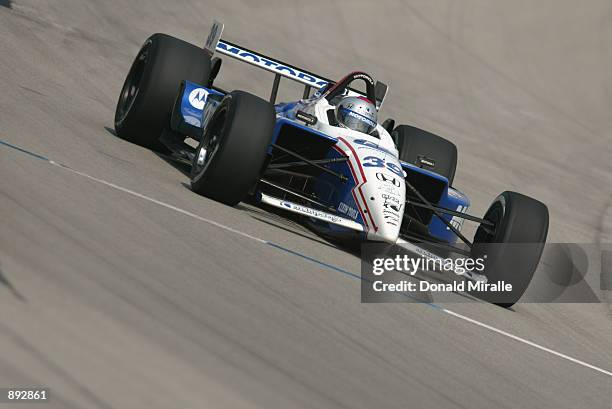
{"x": 386, "y": 178}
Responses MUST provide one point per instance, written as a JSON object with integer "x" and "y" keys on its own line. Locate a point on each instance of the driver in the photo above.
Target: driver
{"x": 357, "y": 113}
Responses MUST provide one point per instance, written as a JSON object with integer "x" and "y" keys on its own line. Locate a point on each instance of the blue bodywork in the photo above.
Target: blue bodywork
{"x": 196, "y": 104}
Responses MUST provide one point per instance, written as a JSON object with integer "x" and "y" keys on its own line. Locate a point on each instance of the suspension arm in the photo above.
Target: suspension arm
{"x": 425, "y": 203}
{"x": 454, "y": 213}
{"x": 311, "y": 162}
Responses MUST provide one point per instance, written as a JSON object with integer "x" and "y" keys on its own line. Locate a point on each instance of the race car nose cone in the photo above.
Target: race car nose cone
{"x": 386, "y": 203}
{"x": 387, "y": 213}
{"x": 385, "y": 232}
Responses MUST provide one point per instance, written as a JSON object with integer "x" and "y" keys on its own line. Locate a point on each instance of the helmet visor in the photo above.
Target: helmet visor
{"x": 355, "y": 121}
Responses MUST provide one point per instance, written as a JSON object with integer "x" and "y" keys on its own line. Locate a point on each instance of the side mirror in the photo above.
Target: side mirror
{"x": 380, "y": 91}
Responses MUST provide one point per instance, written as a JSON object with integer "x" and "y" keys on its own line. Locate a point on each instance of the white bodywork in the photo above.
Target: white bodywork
{"x": 379, "y": 193}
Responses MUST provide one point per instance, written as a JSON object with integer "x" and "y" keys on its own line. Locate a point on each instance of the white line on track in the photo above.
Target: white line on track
{"x": 166, "y": 205}
{"x": 246, "y": 235}
{"x": 526, "y": 342}
{"x": 259, "y": 240}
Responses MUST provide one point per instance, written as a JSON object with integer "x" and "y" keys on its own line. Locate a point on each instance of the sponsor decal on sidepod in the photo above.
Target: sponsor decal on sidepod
{"x": 312, "y": 212}
{"x": 197, "y": 98}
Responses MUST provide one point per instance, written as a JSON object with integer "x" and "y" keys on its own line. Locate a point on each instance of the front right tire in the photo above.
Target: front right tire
{"x": 513, "y": 247}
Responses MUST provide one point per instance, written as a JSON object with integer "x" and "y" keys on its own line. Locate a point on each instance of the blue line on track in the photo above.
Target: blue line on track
{"x": 37, "y": 156}
{"x": 276, "y": 246}
{"x": 314, "y": 260}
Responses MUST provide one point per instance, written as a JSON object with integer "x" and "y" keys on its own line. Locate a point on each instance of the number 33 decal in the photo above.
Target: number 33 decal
{"x": 376, "y": 162}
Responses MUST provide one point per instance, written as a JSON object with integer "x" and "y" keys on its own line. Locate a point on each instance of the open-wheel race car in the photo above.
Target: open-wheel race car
{"x": 324, "y": 157}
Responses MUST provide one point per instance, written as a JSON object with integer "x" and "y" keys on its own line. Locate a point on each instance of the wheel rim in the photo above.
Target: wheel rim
{"x": 209, "y": 145}
{"x": 493, "y": 215}
{"x": 130, "y": 89}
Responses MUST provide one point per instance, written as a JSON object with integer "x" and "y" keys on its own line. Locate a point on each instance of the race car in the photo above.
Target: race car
{"x": 325, "y": 157}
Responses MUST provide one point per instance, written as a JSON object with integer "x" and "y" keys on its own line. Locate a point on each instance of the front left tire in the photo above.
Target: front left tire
{"x": 233, "y": 150}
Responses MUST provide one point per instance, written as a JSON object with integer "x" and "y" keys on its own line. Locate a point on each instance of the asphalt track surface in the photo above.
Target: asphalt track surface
{"x": 123, "y": 289}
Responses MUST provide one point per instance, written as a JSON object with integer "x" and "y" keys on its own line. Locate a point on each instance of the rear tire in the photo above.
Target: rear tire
{"x": 514, "y": 248}
{"x": 416, "y": 145}
{"x": 233, "y": 150}
{"x": 151, "y": 86}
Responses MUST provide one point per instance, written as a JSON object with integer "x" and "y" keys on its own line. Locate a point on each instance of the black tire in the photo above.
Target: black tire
{"x": 415, "y": 144}
{"x": 513, "y": 249}
{"x": 151, "y": 86}
{"x": 235, "y": 143}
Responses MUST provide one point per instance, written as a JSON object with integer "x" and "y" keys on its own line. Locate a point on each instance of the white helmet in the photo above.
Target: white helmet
{"x": 357, "y": 113}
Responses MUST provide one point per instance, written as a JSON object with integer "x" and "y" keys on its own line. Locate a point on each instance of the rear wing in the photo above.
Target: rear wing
{"x": 214, "y": 43}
